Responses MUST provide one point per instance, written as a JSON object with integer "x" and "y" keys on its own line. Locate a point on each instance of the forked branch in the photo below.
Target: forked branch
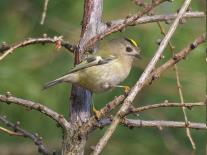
{"x": 23, "y": 133}
{"x": 64, "y": 124}
{"x": 8, "y": 49}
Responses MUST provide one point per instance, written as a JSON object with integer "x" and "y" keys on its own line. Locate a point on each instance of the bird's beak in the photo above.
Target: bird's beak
{"x": 138, "y": 56}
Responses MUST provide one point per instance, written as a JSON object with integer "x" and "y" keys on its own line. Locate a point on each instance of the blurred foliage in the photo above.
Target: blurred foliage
{"x": 24, "y": 72}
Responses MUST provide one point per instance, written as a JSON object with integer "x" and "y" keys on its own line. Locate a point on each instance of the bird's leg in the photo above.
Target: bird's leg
{"x": 126, "y": 88}
{"x": 96, "y": 112}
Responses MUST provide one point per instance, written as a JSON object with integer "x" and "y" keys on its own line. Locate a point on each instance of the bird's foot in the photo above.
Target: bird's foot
{"x": 96, "y": 112}
{"x": 126, "y": 88}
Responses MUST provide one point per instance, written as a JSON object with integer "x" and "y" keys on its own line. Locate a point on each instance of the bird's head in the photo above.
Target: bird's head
{"x": 131, "y": 48}
{"x": 126, "y": 48}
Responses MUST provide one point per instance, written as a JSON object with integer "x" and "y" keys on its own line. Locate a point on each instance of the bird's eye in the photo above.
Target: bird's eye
{"x": 128, "y": 49}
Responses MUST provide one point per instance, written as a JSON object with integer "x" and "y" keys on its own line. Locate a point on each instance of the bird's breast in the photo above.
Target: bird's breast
{"x": 103, "y": 77}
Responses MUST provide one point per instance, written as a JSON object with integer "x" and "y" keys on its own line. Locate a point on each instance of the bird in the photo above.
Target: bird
{"x": 104, "y": 70}
{"x": 100, "y": 73}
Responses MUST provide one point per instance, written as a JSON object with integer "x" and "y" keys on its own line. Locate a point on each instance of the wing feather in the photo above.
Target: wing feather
{"x": 91, "y": 61}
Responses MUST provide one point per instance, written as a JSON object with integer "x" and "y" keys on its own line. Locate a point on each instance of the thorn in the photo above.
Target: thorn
{"x": 189, "y": 9}
{"x": 60, "y": 116}
{"x": 44, "y": 35}
{"x": 187, "y": 123}
{"x": 182, "y": 21}
{"x": 3, "y": 44}
{"x": 18, "y": 123}
{"x": 162, "y": 57}
{"x": 189, "y": 107}
{"x": 168, "y": 22}
{"x": 160, "y": 128}
{"x": 108, "y": 24}
{"x": 158, "y": 41}
{"x": 128, "y": 16}
{"x": 8, "y": 94}
{"x": 193, "y": 45}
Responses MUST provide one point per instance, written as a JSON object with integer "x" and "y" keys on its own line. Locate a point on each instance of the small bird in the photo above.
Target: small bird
{"x": 99, "y": 73}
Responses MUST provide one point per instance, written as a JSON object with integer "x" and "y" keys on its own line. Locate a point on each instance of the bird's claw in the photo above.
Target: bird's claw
{"x": 96, "y": 112}
{"x": 126, "y": 89}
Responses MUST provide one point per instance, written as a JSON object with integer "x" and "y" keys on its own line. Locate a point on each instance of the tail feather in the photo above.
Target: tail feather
{"x": 52, "y": 83}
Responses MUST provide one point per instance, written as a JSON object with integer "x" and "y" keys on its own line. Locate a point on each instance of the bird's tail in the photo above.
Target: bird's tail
{"x": 52, "y": 83}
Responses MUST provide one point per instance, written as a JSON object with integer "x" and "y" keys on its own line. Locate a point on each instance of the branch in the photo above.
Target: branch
{"x": 139, "y": 85}
{"x": 131, "y": 123}
{"x": 108, "y": 29}
{"x": 9, "y": 132}
{"x": 44, "y": 12}
{"x": 8, "y": 49}
{"x": 92, "y": 122}
{"x": 37, "y": 106}
{"x": 181, "y": 95}
{"x": 81, "y": 98}
{"x": 21, "y": 132}
{"x": 155, "y": 75}
{"x": 153, "y": 106}
{"x": 176, "y": 58}
{"x": 160, "y": 124}
{"x": 171, "y": 47}
{"x": 156, "y": 18}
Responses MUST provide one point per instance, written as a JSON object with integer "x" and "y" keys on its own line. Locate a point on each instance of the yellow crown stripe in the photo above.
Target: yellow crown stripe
{"x": 133, "y": 42}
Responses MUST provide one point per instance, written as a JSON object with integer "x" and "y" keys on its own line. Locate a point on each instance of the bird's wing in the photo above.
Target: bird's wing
{"x": 92, "y": 61}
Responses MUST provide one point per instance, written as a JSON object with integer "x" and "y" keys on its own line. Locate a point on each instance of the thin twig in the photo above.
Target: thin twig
{"x": 121, "y": 25}
{"x": 132, "y": 123}
{"x": 183, "y": 108}
{"x": 153, "y": 106}
{"x": 181, "y": 55}
{"x": 91, "y": 123}
{"x": 37, "y": 106}
{"x": 161, "y": 18}
{"x": 23, "y": 133}
{"x": 44, "y": 12}
{"x": 139, "y": 85}
{"x": 6, "y": 49}
{"x": 160, "y": 124}
{"x": 179, "y": 89}
{"x": 155, "y": 75}
{"x": 11, "y": 133}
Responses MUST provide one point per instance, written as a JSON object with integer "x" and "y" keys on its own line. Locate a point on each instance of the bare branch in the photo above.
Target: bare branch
{"x": 92, "y": 122}
{"x": 176, "y": 58}
{"x": 21, "y": 132}
{"x": 179, "y": 89}
{"x": 139, "y": 85}
{"x": 104, "y": 31}
{"x": 44, "y": 12}
{"x": 37, "y": 106}
{"x": 7, "y": 49}
{"x": 183, "y": 108}
{"x": 153, "y": 106}
{"x": 11, "y": 133}
{"x": 132, "y": 123}
{"x": 156, "y": 18}
{"x": 160, "y": 124}
{"x": 155, "y": 75}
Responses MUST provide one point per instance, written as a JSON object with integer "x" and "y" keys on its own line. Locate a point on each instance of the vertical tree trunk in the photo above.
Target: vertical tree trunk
{"x": 80, "y": 100}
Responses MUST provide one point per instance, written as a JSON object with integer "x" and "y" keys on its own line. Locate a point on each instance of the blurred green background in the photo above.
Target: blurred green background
{"x": 25, "y": 71}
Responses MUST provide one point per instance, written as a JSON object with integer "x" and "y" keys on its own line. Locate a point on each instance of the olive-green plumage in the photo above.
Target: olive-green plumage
{"x": 105, "y": 70}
